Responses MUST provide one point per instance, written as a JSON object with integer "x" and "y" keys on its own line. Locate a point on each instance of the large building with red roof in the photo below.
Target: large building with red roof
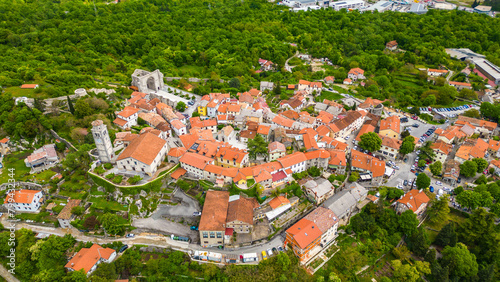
{"x": 414, "y": 200}
{"x": 88, "y": 258}
{"x": 24, "y": 200}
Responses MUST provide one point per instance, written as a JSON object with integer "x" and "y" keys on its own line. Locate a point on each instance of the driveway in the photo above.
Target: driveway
{"x": 185, "y": 209}
{"x": 403, "y": 173}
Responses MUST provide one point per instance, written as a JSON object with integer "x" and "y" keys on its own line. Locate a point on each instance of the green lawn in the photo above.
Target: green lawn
{"x": 15, "y": 161}
{"x": 328, "y": 95}
{"x": 73, "y": 195}
{"x": 16, "y": 91}
{"x": 102, "y": 203}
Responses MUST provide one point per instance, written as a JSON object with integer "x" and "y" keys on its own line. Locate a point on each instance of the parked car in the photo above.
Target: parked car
{"x": 122, "y": 249}
{"x": 197, "y": 213}
{"x": 264, "y": 256}
{"x": 130, "y": 235}
{"x": 405, "y": 182}
{"x": 269, "y": 252}
{"x": 195, "y": 228}
{"x": 281, "y": 249}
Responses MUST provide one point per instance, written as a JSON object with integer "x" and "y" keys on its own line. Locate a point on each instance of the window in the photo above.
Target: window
{"x": 219, "y": 234}
{"x": 212, "y": 234}
{"x": 205, "y": 235}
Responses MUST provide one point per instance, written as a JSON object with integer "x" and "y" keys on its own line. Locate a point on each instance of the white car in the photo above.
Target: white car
{"x": 439, "y": 183}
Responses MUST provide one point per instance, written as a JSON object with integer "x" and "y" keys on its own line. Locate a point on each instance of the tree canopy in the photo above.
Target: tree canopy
{"x": 370, "y": 141}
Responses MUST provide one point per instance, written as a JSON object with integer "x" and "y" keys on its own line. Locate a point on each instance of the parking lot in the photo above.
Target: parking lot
{"x": 449, "y": 112}
{"x": 422, "y": 128}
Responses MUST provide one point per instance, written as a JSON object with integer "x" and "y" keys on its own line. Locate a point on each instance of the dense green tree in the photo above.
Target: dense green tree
{"x": 447, "y": 236}
{"x": 257, "y": 147}
{"x": 407, "y": 146}
{"x": 481, "y": 163}
{"x": 181, "y": 106}
{"x": 418, "y": 242}
{"x": 408, "y": 222}
{"x": 438, "y": 210}
{"x": 370, "y": 141}
{"x": 423, "y": 181}
{"x": 110, "y": 223}
{"x": 235, "y": 83}
{"x": 436, "y": 168}
{"x": 469, "y": 199}
{"x": 83, "y": 109}
{"x": 354, "y": 176}
{"x": 461, "y": 263}
{"x": 468, "y": 168}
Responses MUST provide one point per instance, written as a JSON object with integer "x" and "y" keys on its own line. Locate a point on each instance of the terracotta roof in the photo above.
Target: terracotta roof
{"x": 478, "y": 122}
{"x": 263, "y": 129}
{"x": 414, "y": 199}
{"x": 495, "y": 163}
{"x": 29, "y": 86}
{"x": 4, "y": 140}
{"x": 249, "y": 134}
{"x": 304, "y": 82}
{"x": 492, "y": 145}
{"x": 309, "y": 141}
{"x": 86, "y": 258}
{"x": 391, "y": 123}
{"x": 348, "y": 80}
{"x": 195, "y": 160}
{"x": 317, "y": 154}
{"x": 278, "y": 176}
{"x": 329, "y": 78}
{"x": 278, "y": 202}
{"x": 324, "y": 117}
{"x": 459, "y": 83}
{"x": 119, "y": 121}
{"x": 337, "y": 158}
{"x": 436, "y": 70}
{"x": 22, "y": 196}
{"x": 304, "y": 232}
{"x": 127, "y": 111}
{"x": 369, "y": 102}
{"x": 391, "y": 142}
{"x": 356, "y": 71}
{"x": 66, "y": 211}
{"x": 392, "y": 43}
{"x": 246, "y": 98}
{"x": 442, "y": 147}
{"x": 323, "y": 217}
{"x": 323, "y": 130}
{"x": 231, "y": 154}
{"x": 364, "y": 129}
{"x": 145, "y": 148}
{"x": 234, "y": 108}
{"x": 178, "y": 173}
{"x": 254, "y": 92}
{"x": 367, "y": 162}
{"x": 263, "y": 175}
{"x": 290, "y": 114}
{"x": 213, "y": 217}
{"x": 177, "y": 152}
{"x": 276, "y": 146}
{"x": 351, "y": 117}
{"x": 293, "y": 159}
{"x": 177, "y": 124}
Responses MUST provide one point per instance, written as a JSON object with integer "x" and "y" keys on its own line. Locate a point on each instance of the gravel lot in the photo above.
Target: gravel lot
{"x": 184, "y": 209}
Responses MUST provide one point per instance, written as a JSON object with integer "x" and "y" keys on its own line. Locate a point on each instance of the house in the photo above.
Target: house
{"x": 391, "y": 45}
{"x": 346, "y": 203}
{"x": 329, "y": 79}
{"x": 212, "y": 225}
{"x": 4, "y": 146}
{"x": 175, "y": 154}
{"x": 470, "y": 149}
{"x": 226, "y": 134}
{"x": 179, "y": 127}
{"x": 441, "y": 150}
{"x": 451, "y": 172}
{"x": 210, "y": 124}
{"x": 414, "y": 200}
{"x": 24, "y": 200}
{"x": 240, "y": 214}
{"x": 304, "y": 238}
{"x": 327, "y": 222}
{"x": 317, "y": 158}
{"x": 338, "y": 161}
{"x": 347, "y": 81}
{"x": 495, "y": 164}
{"x": 364, "y": 129}
{"x": 296, "y": 162}
{"x": 452, "y": 134}
{"x": 483, "y": 127}
{"x": 436, "y": 72}
{"x": 127, "y": 117}
{"x": 460, "y": 85}
{"x": 46, "y": 155}
{"x": 355, "y": 74}
{"x": 276, "y": 150}
{"x": 343, "y": 127}
{"x": 195, "y": 164}
{"x": 88, "y": 259}
{"x": 264, "y": 131}
{"x": 494, "y": 148}
{"x": 231, "y": 157}
{"x": 29, "y": 86}
{"x": 266, "y": 85}
{"x": 66, "y": 216}
{"x": 369, "y": 168}
{"x": 373, "y": 106}
{"x": 390, "y": 127}
{"x": 319, "y": 190}
{"x": 390, "y": 147}
{"x": 144, "y": 154}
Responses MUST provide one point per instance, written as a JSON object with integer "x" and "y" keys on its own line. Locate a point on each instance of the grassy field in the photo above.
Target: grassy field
{"x": 15, "y": 161}
{"x": 328, "y": 95}
{"x": 102, "y": 203}
{"x": 16, "y": 91}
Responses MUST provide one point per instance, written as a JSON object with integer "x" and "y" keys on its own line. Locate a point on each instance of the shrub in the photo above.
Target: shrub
{"x": 118, "y": 179}
{"x": 110, "y": 176}
{"x": 134, "y": 180}
{"x": 108, "y": 166}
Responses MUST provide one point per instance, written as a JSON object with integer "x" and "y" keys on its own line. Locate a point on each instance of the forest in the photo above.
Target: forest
{"x": 64, "y": 45}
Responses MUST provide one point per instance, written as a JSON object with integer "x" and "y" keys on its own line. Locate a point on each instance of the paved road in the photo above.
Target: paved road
{"x": 164, "y": 225}
{"x": 185, "y": 209}
{"x": 6, "y": 274}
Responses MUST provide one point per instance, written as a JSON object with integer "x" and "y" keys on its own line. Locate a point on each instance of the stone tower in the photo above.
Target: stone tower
{"x": 102, "y": 141}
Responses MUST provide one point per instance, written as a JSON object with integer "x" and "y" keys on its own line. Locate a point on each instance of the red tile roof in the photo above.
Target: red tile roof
{"x": 22, "y": 196}
{"x": 213, "y": 217}
{"x": 367, "y": 162}
{"x": 127, "y": 111}
{"x": 178, "y": 173}
{"x": 414, "y": 199}
{"x": 145, "y": 148}
{"x": 86, "y": 258}
{"x": 195, "y": 160}
{"x": 304, "y": 232}
{"x": 293, "y": 159}
{"x": 392, "y": 123}
{"x": 278, "y": 202}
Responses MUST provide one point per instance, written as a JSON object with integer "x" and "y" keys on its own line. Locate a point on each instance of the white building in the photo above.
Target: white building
{"x": 179, "y": 127}
{"x": 348, "y": 4}
{"x": 195, "y": 164}
{"x": 24, "y": 200}
{"x": 65, "y": 216}
{"x": 127, "y": 118}
{"x": 144, "y": 154}
{"x": 295, "y": 162}
{"x": 88, "y": 258}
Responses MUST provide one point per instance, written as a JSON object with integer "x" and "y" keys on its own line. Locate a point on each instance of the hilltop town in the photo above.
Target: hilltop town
{"x": 302, "y": 159}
